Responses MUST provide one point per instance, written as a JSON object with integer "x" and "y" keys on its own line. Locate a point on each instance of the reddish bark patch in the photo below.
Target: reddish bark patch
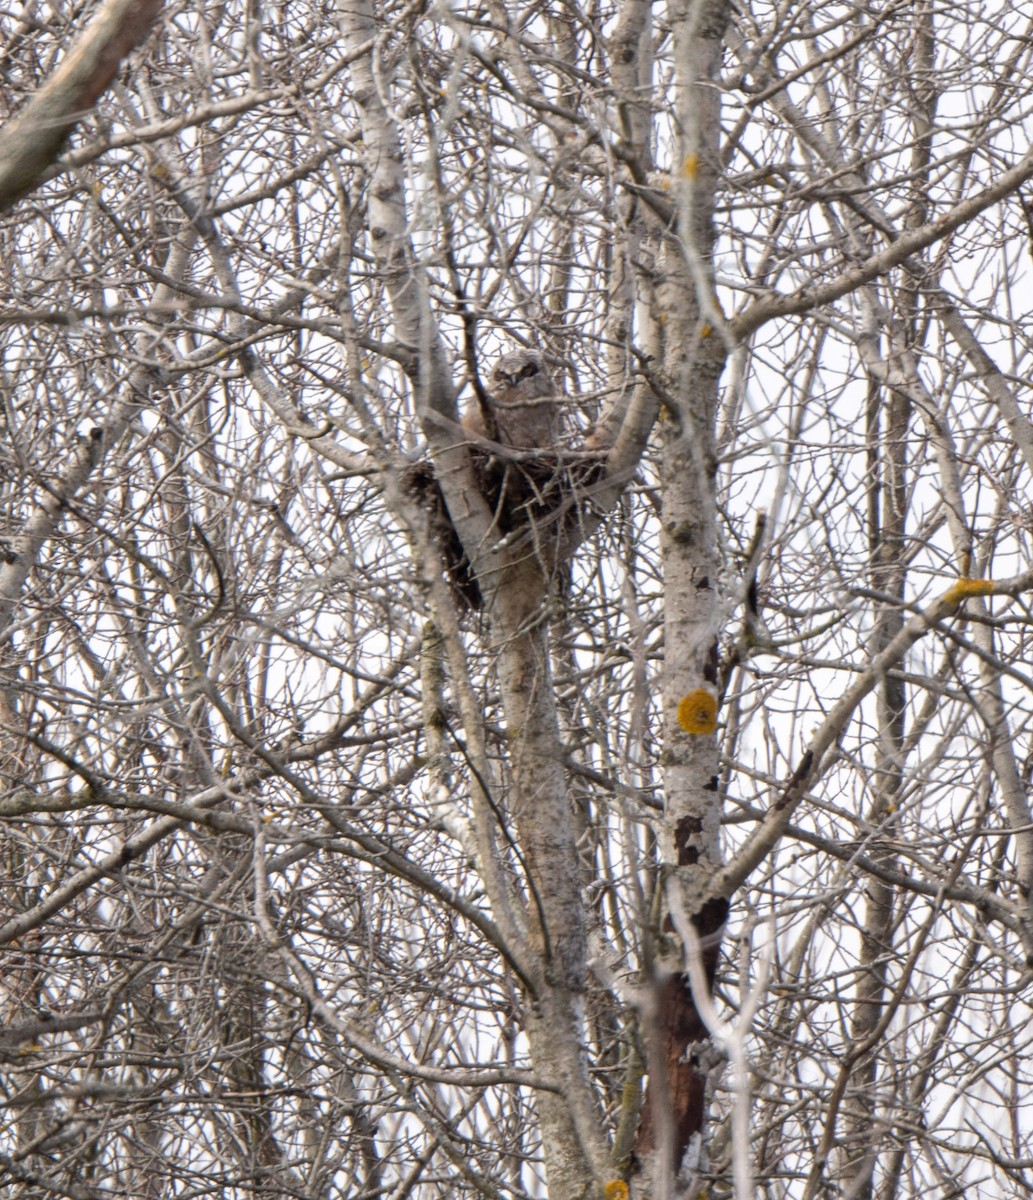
{"x": 676, "y": 1081}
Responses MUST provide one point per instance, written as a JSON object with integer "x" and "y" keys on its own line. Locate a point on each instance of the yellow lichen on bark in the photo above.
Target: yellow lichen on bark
{"x": 697, "y": 711}
{"x": 968, "y": 587}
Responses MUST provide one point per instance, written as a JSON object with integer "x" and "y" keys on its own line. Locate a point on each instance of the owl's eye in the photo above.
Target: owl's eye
{"x": 529, "y": 370}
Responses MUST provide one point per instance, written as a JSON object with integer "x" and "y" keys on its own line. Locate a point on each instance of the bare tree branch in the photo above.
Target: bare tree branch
{"x": 30, "y": 141}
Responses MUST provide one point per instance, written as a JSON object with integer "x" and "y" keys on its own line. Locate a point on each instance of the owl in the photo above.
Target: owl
{"x": 523, "y": 402}
{"x": 520, "y": 412}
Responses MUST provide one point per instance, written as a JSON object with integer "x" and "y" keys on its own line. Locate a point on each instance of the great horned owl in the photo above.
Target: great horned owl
{"x": 523, "y": 403}
{"x": 520, "y": 412}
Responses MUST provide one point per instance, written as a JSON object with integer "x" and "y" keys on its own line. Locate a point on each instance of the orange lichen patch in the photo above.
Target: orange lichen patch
{"x": 616, "y": 1189}
{"x": 968, "y": 587}
{"x": 697, "y": 711}
{"x": 706, "y": 331}
{"x": 691, "y": 166}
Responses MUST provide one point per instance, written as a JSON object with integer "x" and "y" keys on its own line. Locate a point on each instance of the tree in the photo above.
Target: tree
{"x": 34, "y": 138}
{"x": 678, "y": 842}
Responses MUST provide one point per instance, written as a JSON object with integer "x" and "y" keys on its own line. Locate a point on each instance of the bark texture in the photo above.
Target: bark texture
{"x": 31, "y": 141}
{"x": 669, "y": 1146}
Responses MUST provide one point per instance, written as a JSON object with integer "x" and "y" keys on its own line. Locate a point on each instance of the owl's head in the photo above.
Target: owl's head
{"x": 521, "y": 376}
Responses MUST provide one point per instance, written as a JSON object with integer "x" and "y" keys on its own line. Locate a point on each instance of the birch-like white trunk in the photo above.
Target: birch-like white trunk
{"x": 673, "y": 1127}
